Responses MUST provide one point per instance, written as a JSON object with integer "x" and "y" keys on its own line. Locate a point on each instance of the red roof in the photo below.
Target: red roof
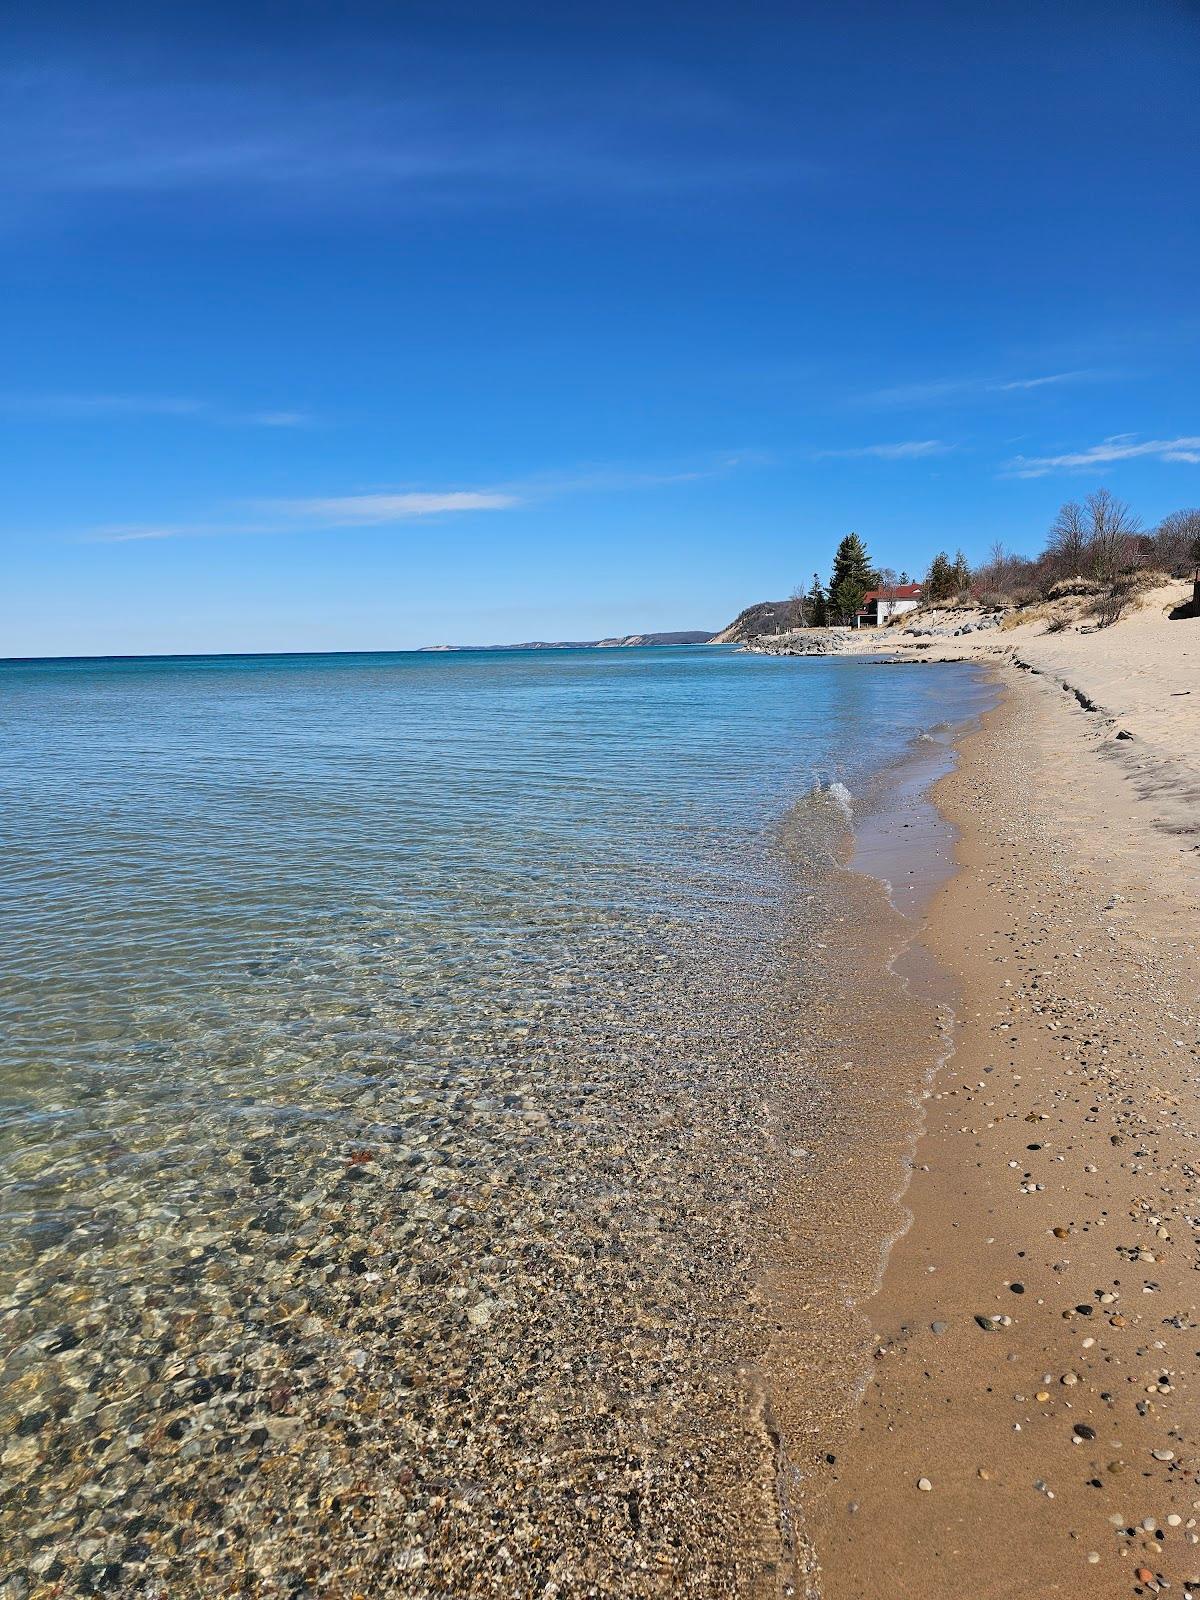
{"x": 902, "y": 591}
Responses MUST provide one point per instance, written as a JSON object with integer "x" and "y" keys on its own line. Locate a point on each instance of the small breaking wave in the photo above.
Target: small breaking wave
{"x": 839, "y": 794}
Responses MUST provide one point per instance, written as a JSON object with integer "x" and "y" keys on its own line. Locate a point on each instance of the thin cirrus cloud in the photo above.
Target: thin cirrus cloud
{"x": 377, "y": 510}
{"x": 1119, "y": 447}
{"x": 937, "y": 390}
{"x": 336, "y": 511}
{"x": 360, "y": 127}
{"x": 605, "y": 478}
{"x": 393, "y": 508}
{"x": 112, "y": 407}
{"x": 366, "y": 510}
{"x": 903, "y": 450}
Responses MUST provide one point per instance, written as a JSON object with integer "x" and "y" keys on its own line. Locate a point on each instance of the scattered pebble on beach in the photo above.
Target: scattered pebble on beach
{"x": 1080, "y": 1033}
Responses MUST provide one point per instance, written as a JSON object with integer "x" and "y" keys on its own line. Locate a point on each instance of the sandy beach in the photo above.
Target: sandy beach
{"x": 1032, "y": 1420}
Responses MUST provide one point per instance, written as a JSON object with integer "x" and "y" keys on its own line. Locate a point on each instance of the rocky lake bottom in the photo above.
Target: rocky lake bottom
{"x": 392, "y": 1218}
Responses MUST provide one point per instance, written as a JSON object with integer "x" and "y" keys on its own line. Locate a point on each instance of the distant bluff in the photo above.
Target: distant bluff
{"x": 618, "y": 642}
{"x": 686, "y": 636}
{"x": 768, "y": 616}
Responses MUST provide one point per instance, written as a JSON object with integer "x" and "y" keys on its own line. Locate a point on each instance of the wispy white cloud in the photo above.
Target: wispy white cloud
{"x": 104, "y": 407}
{"x": 1119, "y": 447}
{"x": 382, "y": 509}
{"x": 371, "y": 510}
{"x": 131, "y": 534}
{"x": 278, "y": 419}
{"x": 904, "y": 450}
{"x": 313, "y": 515}
{"x": 420, "y": 131}
{"x": 609, "y": 478}
{"x": 1050, "y": 380}
{"x": 936, "y": 390}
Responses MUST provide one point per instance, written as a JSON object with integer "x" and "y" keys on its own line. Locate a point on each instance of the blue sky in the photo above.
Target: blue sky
{"x": 385, "y": 325}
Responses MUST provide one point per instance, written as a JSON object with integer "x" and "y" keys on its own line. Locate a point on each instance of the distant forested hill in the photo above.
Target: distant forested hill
{"x": 768, "y": 616}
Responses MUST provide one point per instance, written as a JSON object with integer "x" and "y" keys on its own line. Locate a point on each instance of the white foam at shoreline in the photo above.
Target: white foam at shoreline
{"x": 840, "y": 795}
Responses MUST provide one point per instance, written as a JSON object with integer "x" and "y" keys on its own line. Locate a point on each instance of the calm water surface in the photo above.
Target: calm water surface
{"x": 383, "y": 1043}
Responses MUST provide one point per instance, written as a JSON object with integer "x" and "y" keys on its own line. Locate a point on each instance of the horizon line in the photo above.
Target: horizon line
{"x": 410, "y": 650}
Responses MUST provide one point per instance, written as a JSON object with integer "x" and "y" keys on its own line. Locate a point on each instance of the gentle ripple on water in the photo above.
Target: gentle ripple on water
{"x": 385, "y": 1040}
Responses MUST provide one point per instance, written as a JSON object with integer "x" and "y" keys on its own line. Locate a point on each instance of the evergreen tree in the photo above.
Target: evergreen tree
{"x": 961, "y": 572}
{"x": 940, "y": 581}
{"x": 852, "y": 561}
{"x": 818, "y": 611}
{"x": 847, "y": 600}
{"x": 852, "y": 576}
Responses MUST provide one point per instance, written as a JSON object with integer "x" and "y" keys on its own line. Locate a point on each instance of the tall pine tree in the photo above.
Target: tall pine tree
{"x": 818, "y": 612}
{"x": 852, "y": 576}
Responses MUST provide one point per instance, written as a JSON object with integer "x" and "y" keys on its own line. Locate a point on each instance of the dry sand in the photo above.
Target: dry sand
{"x": 1140, "y": 679}
{"x": 1032, "y": 1423}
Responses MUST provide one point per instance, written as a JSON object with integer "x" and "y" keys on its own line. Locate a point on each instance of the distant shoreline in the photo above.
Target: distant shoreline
{"x": 626, "y": 641}
{"x": 629, "y": 641}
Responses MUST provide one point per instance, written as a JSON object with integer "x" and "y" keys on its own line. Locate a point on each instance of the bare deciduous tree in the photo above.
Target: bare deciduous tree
{"x": 1173, "y": 541}
{"x": 1004, "y": 579}
{"x": 1110, "y": 544}
{"x": 887, "y": 586}
{"x": 1068, "y": 542}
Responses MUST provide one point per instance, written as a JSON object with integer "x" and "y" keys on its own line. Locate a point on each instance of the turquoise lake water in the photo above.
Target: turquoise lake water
{"x": 378, "y": 1033}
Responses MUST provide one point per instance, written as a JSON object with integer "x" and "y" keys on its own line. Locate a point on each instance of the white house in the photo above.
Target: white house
{"x": 881, "y": 606}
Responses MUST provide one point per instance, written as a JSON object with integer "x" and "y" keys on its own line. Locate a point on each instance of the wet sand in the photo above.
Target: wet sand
{"x": 869, "y": 1013}
{"x": 1030, "y": 1424}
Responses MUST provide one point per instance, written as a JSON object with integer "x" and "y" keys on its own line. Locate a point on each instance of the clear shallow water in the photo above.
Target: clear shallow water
{"x": 383, "y": 1042}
